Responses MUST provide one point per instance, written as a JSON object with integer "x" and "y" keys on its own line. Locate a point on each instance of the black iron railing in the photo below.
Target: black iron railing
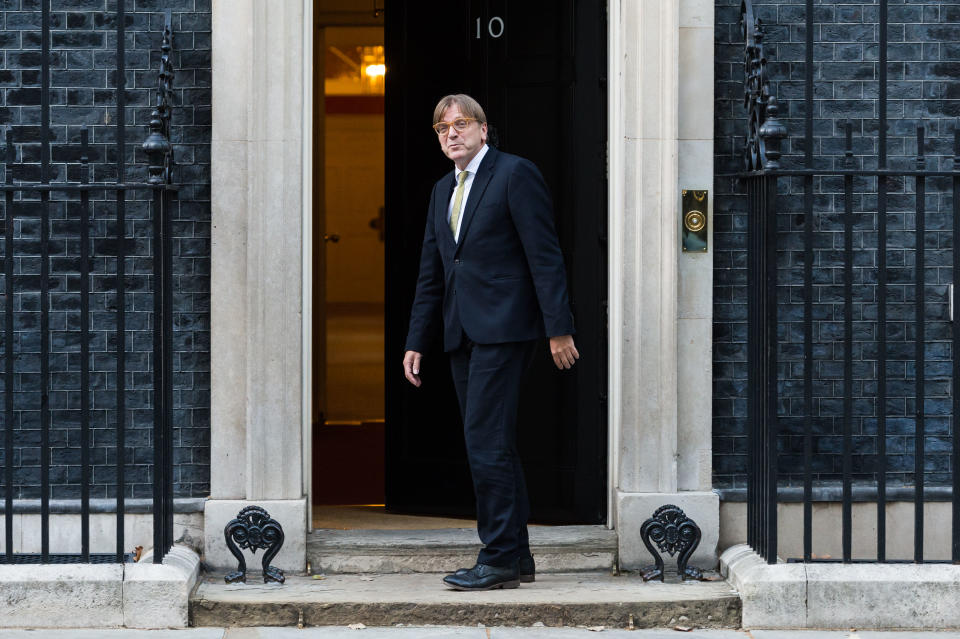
{"x": 20, "y": 203}
{"x": 762, "y": 175}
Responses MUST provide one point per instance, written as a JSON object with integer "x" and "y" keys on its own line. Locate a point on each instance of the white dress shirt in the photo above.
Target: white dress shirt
{"x": 471, "y": 172}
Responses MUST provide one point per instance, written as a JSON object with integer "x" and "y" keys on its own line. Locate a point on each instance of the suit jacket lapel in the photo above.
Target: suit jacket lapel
{"x": 480, "y": 182}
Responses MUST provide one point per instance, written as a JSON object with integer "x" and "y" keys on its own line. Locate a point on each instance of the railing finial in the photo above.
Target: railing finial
{"x": 765, "y": 132}
{"x": 772, "y": 133}
{"x": 157, "y": 145}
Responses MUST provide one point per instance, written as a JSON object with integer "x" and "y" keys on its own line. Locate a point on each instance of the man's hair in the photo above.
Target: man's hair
{"x": 468, "y": 106}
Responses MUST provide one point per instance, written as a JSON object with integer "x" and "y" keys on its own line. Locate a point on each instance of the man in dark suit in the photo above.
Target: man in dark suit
{"x": 492, "y": 269}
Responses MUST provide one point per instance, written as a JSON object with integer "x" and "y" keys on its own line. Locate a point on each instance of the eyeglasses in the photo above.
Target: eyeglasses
{"x": 460, "y": 124}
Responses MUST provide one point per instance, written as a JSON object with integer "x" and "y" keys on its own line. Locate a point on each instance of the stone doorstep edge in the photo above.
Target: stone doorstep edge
{"x": 141, "y": 595}
{"x": 408, "y": 564}
{"x": 707, "y": 613}
{"x": 319, "y": 542}
{"x": 319, "y": 548}
{"x": 826, "y": 596}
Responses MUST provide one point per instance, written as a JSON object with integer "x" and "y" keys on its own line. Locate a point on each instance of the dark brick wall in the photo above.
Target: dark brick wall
{"x": 84, "y": 93}
{"x": 924, "y": 88}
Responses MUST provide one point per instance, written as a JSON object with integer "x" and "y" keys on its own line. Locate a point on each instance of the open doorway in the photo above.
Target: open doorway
{"x": 348, "y": 411}
{"x": 379, "y": 69}
{"x": 349, "y": 268}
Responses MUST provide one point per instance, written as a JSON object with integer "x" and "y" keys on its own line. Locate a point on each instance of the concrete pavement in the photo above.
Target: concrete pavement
{"x": 448, "y": 632}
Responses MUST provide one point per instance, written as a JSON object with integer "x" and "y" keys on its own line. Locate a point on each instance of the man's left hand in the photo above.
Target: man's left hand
{"x": 564, "y": 351}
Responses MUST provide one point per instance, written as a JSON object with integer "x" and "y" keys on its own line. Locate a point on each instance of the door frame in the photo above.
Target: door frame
{"x": 306, "y": 321}
{"x": 615, "y": 193}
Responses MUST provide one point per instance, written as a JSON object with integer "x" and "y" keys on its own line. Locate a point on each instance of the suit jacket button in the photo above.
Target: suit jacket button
{"x": 456, "y": 261}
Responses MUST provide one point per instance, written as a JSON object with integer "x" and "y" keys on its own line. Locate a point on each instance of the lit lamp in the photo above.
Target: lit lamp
{"x": 373, "y": 69}
{"x": 373, "y": 74}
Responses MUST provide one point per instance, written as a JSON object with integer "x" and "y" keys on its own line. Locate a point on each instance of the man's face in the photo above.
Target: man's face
{"x": 461, "y": 146}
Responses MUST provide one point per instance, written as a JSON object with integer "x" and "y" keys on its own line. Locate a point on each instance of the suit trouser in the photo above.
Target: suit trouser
{"x": 487, "y": 379}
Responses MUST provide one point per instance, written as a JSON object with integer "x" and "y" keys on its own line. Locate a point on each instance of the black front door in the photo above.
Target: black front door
{"x": 539, "y": 69}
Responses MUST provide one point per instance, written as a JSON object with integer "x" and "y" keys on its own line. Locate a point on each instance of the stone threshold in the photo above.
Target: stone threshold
{"x": 555, "y": 548}
{"x": 559, "y": 599}
{"x": 825, "y": 596}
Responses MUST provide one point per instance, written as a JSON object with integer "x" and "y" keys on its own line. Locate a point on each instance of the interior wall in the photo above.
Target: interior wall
{"x": 354, "y": 159}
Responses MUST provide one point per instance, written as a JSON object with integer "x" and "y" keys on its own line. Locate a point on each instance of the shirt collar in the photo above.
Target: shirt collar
{"x": 474, "y": 163}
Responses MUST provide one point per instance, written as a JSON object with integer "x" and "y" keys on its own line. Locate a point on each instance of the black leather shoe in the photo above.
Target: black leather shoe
{"x": 484, "y": 577}
{"x": 528, "y": 570}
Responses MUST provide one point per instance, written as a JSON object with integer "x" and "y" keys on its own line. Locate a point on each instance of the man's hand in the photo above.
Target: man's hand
{"x": 564, "y": 352}
{"x": 411, "y": 367}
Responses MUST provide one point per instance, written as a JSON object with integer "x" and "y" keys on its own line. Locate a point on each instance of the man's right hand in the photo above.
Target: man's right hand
{"x": 411, "y": 367}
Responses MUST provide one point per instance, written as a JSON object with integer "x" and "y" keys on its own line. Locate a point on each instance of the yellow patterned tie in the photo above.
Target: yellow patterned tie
{"x": 455, "y": 214}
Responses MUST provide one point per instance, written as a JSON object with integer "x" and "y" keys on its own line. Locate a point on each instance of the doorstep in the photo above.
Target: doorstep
{"x": 555, "y": 548}
{"x": 558, "y": 599}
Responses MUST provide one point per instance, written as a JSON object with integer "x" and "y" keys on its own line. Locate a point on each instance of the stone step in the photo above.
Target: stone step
{"x": 558, "y": 599}
{"x": 555, "y": 548}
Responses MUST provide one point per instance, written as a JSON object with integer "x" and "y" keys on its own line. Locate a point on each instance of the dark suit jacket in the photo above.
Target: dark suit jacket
{"x": 504, "y": 281}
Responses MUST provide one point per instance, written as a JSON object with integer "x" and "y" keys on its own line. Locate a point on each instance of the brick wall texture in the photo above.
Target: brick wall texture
{"x": 924, "y": 89}
{"x": 83, "y": 92}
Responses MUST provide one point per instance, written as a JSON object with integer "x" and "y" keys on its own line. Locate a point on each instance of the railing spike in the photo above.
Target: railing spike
{"x": 157, "y": 145}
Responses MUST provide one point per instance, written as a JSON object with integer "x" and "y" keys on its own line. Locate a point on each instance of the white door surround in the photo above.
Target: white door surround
{"x": 660, "y": 141}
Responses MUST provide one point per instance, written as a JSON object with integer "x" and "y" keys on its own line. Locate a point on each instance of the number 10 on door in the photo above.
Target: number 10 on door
{"x": 494, "y": 27}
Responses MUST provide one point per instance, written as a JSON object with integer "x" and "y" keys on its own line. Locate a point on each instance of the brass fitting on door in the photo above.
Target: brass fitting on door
{"x": 694, "y": 218}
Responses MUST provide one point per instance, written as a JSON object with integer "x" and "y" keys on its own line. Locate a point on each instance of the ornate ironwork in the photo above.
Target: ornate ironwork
{"x": 157, "y": 145}
{"x": 672, "y": 532}
{"x": 84, "y": 195}
{"x": 253, "y": 528}
{"x": 765, "y": 132}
